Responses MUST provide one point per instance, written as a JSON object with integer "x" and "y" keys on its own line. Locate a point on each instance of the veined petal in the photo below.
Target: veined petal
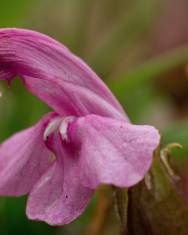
{"x": 59, "y": 197}
{"x": 111, "y": 151}
{"x": 55, "y": 75}
{"x": 23, "y": 159}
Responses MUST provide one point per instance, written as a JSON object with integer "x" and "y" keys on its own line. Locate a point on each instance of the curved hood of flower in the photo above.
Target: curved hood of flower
{"x": 51, "y": 72}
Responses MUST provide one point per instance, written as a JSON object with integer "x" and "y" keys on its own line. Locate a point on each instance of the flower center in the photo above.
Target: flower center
{"x": 58, "y": 124}
{"x": 64, "y": 127}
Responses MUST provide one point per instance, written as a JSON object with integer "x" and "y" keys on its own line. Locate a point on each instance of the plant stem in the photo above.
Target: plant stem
{"x": 121, "y": 203}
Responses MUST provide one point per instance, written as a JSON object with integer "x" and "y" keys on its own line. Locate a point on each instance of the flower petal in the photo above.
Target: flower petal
{"x": 23, "y": 159}
{"x": 58, "y": 197}
{"x": 55, "y": 75}
{"x": 111, "y": 151}
{"x": 6, "y": 75}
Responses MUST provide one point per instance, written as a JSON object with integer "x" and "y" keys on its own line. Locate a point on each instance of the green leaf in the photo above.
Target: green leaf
{"x": 157, "y": 207}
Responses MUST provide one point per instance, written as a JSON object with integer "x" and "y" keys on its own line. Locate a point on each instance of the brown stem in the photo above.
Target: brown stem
{"x": 121, "y": 203}
{"x": 100, "y": 215}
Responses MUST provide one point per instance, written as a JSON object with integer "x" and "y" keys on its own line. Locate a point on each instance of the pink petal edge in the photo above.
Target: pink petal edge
{"x": 23, "y": 159}
{"x": 112, "y": 151}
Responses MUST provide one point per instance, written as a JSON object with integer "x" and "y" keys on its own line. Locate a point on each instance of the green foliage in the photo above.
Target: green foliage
{"x": 157, "y": 207}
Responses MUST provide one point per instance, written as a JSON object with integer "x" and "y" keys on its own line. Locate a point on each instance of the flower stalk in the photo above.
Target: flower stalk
{"x": 121, "y": 204}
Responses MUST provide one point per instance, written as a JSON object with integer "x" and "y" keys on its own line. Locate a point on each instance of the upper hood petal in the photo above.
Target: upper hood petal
{"x": 54, "y": 74}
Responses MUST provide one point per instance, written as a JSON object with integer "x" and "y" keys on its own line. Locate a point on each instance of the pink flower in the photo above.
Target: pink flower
{"x": 88, "y": 133}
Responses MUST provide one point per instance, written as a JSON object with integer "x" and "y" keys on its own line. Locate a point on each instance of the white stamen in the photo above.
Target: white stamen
{"x": 52, "y": 126}
{"x": 63, "y": 127}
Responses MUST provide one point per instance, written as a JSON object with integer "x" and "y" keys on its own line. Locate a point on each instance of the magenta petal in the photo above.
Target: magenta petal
{"x": 111, "y": 151}
{"x": 54, "y": 74}
{"x": 6, "y": 75}
{"x": 59, "y": 197}
{"x": 23, "y": 159}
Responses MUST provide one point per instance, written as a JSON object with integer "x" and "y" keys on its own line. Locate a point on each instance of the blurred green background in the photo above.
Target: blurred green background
{"x": 138, "y": 47}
